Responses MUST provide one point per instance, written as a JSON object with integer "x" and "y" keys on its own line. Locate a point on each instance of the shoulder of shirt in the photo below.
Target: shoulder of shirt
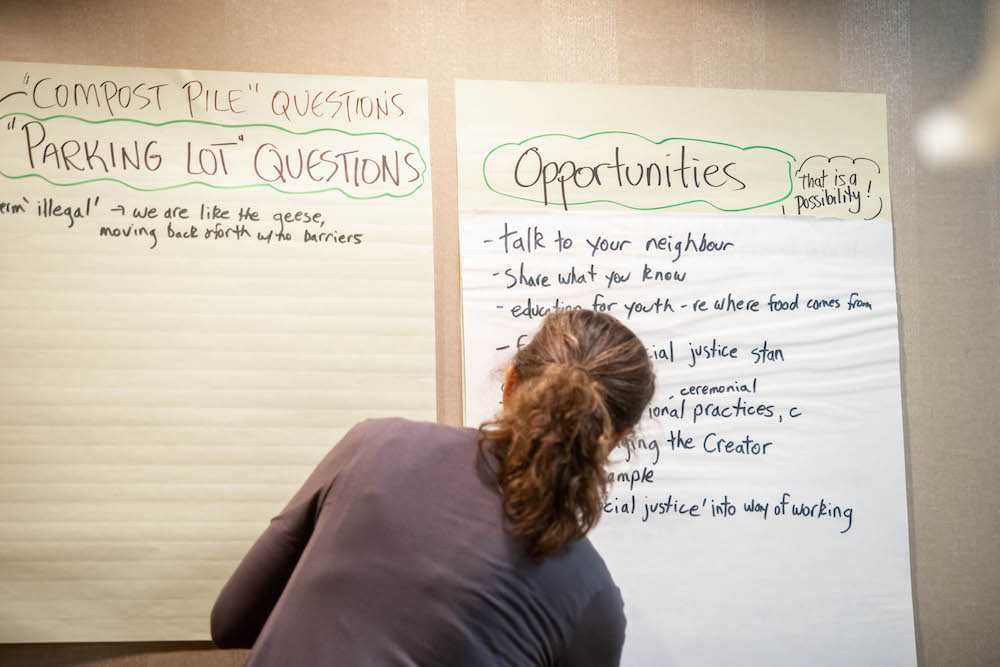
{"x": 418, "y": 441}
{"x": 405, "y": 425}
{"x": 585, "y": 557}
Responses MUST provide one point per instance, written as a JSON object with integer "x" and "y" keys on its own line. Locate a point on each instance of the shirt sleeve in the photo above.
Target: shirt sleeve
{"x": 247, "y": 599}
{"x": 600, "y": 632}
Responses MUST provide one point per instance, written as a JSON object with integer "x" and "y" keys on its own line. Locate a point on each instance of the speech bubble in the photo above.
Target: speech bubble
{"x": 837, "y": 186}
{"x": 66, "y": 150}
{"x": 633, "y": 171}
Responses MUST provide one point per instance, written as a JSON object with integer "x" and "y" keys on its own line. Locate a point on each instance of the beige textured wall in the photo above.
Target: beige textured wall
{"x": 947, "y": 228}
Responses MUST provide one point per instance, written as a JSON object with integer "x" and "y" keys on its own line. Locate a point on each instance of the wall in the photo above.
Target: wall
{"x": 947, "y": 227}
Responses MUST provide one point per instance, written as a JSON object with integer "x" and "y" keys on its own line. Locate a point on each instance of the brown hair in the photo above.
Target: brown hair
{"x": 582, "y": 382}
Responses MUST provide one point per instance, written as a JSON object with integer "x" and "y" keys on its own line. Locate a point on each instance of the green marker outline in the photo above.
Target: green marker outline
{"x": 109, "y": 179}
{"x": 791, "y": 183}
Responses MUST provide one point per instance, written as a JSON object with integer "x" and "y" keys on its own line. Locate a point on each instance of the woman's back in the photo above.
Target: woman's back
{"x": 395, "y": 553}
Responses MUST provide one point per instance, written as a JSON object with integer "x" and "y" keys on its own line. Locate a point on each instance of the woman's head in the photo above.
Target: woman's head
{"x": 571, "y": 394}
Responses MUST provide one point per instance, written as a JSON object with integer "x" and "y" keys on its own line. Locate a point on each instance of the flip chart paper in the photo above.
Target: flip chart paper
{"x": 207, "y": 278}
{"x": 760, "y": 514}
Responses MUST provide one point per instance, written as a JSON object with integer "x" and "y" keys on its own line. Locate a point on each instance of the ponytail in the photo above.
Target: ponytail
{"x": 559, "y": 425}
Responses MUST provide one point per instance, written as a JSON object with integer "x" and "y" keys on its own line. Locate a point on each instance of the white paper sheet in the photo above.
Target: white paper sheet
{"x": 763, "y": 518}
{"x": 207, "y": 277}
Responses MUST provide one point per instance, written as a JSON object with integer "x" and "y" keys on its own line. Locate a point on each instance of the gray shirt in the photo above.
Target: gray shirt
{"x": 394, "y": 553}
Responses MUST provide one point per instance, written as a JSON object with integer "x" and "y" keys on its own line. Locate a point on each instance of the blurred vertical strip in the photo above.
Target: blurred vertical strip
{"x": 967, "y": 129}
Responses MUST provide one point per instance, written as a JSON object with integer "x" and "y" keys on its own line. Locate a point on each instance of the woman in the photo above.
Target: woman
{"x": 419, "y": 544}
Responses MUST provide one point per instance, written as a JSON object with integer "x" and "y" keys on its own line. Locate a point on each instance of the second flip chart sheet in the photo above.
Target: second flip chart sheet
{"x": 760, "y": 515}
